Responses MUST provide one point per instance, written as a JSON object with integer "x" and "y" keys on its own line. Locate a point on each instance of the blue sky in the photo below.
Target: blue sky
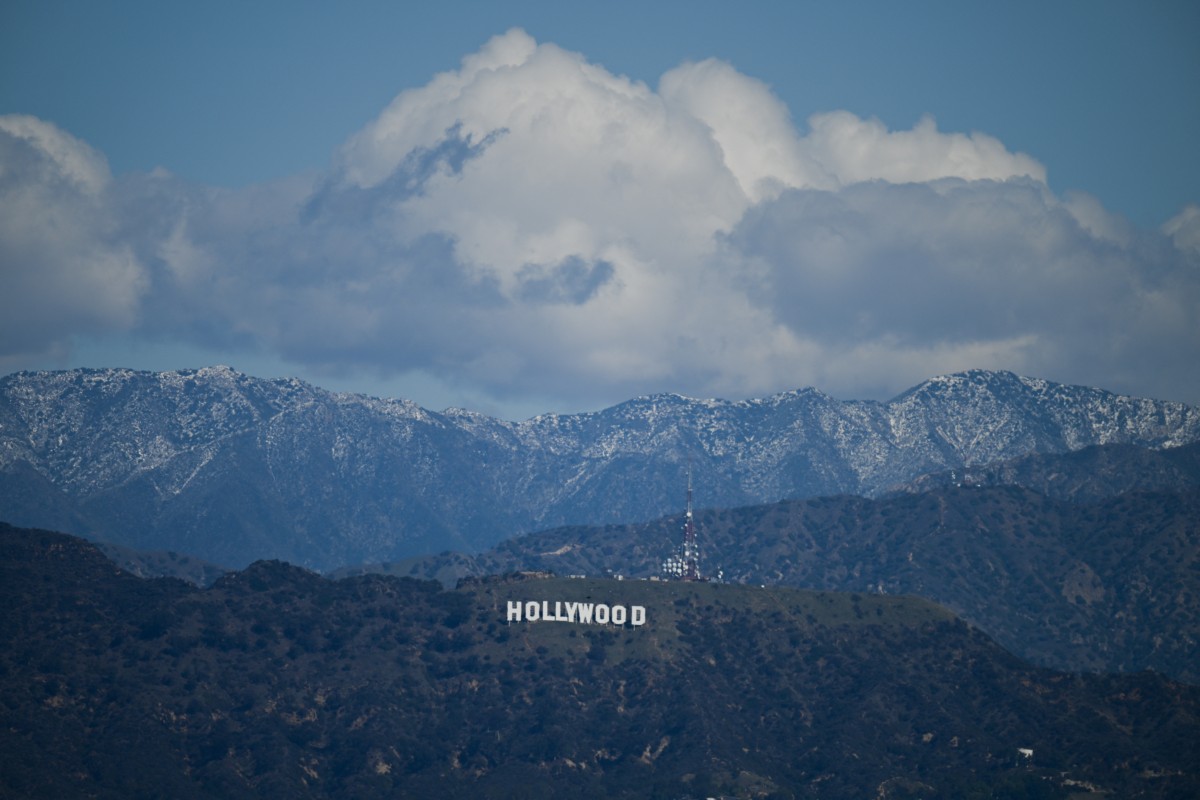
{"x": 249, "y": 210}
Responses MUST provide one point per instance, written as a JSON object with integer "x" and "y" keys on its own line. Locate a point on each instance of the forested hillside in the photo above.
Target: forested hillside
{"x": 277, "y": 682}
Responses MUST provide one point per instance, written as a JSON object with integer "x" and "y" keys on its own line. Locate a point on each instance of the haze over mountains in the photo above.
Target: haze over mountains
{"x": 231, "y": 468}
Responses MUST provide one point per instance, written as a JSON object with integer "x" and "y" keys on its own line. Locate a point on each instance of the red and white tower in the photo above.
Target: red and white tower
{"x": 685, "y": 565}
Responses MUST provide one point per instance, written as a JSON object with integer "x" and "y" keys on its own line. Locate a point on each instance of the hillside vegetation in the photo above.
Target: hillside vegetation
{"x": 276, "y": 682}
{"x": 1110, "y": 586}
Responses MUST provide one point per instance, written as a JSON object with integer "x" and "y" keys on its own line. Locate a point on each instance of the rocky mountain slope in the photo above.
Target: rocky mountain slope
{"x": 230, "y": 468}
{"x": 1089, "y": 475}
{"x": 276, "y": 682}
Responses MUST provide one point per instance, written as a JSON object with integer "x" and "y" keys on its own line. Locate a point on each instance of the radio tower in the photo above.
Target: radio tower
{"x": 685, "y": 566}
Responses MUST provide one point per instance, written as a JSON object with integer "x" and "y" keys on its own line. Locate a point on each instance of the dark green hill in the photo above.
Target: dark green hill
{"x": 1107, "y": 586}
{"x": 277, "y": 682}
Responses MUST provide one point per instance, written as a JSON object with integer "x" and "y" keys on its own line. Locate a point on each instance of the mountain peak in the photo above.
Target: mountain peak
{"x": 232, "y": 468}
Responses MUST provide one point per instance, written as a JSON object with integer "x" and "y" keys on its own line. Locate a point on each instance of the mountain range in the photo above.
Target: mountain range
{"x": 230, "y": 468}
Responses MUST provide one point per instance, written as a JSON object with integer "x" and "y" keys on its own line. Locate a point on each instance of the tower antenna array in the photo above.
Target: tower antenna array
{"x": 685, "y": 565}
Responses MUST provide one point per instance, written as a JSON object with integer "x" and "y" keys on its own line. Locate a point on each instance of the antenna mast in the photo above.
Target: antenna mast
{"x": 685, "y": 566}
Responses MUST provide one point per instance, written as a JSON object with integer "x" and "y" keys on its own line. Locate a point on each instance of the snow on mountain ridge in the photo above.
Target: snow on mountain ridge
{"x": 336, "y": 476}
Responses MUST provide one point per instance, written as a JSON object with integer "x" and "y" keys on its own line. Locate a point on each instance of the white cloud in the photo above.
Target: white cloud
{"x": 765, "y": 152}
{"x": 573, "y": 162}
{"x": 64, "y": 267}
{"x": 1184, "y": 229}
{"x": 533, "y": 225}
{"x": 758, "y": 142}
{"x": 855, "y": 150}
{"x": 67, "y": 158}
{"x": 900, "y": 278}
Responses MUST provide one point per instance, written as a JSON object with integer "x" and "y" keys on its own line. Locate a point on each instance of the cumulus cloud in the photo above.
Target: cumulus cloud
{"x": 856, "y": 150}
{"x": 1184, "y": 229}
{"x": 532, "y": 225}
{"x": 915, "y": 278}
{"x": 64, "y": 267}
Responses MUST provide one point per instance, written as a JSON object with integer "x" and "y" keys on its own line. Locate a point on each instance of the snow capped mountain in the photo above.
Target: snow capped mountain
{"x": 233, "y": 468}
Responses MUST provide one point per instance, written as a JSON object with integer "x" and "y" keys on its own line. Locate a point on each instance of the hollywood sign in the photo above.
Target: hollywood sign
{"x": 579, "y": 613}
